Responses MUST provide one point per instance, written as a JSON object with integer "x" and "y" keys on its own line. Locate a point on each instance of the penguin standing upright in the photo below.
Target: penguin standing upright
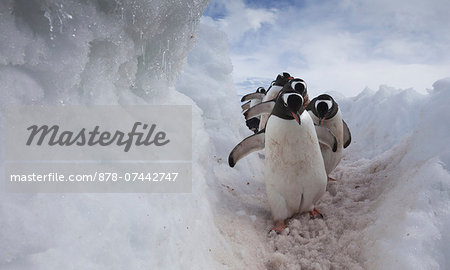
{"x": 325, "y": 112}
{"x": 256, "y": 141}
{"x": 272, "y": 93}
{"x": 294, "y": 171}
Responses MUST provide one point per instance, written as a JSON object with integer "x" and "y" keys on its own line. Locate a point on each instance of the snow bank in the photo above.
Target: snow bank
{"x": 104, "y": 52}
{"x": 381, "y": 119}
{"x": 413, "y": 217}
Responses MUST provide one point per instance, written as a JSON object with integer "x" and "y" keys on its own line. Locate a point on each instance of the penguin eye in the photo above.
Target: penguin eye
{"x": 298, "y": 86}
{"x": 324, "y": 102}
{"x": 286, "y": 97}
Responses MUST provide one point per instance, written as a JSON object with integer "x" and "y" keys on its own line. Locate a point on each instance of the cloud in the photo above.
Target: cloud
{"x": 341, "y": 46}
{"x": 240, "y": 19}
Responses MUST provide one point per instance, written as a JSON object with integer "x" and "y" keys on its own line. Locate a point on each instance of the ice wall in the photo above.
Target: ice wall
{"x": 104, "y": 52}
{"x": 93, "y": 51}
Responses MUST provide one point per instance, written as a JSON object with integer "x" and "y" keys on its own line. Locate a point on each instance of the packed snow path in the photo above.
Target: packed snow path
{"x": 389, "y": 208}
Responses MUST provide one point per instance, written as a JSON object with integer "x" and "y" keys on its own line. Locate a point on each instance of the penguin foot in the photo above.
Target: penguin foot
{"x": 315, "y": 214}
{"x": 279, "y": 227}
{"x": 331, "y": 179}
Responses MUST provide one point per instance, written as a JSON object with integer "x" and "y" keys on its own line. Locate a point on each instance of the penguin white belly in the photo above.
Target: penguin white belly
{"x": 331, "y": 159}
{"x": 295, "y": 175}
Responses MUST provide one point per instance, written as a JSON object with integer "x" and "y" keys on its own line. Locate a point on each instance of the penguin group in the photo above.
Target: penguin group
{"x": 302, "y": 140}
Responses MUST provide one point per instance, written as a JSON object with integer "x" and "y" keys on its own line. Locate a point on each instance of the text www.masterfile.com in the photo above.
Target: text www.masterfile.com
{"x": 96, "y": 177}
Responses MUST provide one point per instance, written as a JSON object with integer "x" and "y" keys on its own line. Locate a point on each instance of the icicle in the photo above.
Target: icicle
{"x": 167, "y": 64}
{"x": 50, "y": 21}
{"x": 60, "y": 24}
{"x": 143, "y": 54}
{"x": 163, "y": 64}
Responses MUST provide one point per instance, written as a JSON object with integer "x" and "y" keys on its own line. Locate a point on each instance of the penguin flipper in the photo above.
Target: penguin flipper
{"x": 261, "y": 108}
{"x": 250, "y": 144}
{"x": 246, "y": 106}
{"x": 326, "y": 137}
{"x": 347, "y": 134}
{"x": 258, "y": 96}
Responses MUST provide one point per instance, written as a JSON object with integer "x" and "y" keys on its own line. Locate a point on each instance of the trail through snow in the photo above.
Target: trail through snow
{"x": 379, "y": 203}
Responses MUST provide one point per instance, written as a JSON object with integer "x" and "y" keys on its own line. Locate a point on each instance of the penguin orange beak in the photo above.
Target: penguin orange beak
{"x": 297, "y": 117}
{"x": 321, "y": 121}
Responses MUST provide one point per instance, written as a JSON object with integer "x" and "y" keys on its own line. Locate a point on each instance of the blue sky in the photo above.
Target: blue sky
{"x": 341, "y": 46}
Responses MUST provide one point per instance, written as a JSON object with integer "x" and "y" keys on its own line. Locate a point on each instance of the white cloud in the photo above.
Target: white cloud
{"x": 343, "y": 46}
{"x": 242, "y": 19}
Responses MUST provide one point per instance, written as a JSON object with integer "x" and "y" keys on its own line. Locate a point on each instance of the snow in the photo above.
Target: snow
{"x": 122, "y": 52}
{"x": 389, "y": 209}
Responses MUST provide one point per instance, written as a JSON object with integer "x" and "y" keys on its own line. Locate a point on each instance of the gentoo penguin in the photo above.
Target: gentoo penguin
{"x": 277, "y": 85}
{"x": 265, "y": 107}
{"x": 272, "y": 93}
{"x": 256, "y": 141}
{"x": 255, "y": 98}
{"x": 298, "y": 84}
{"x": 258, "y": 95}
{"x": 261, "y": 90}
{"x": 294, "y": 172}
{"x": 325, "y": 112}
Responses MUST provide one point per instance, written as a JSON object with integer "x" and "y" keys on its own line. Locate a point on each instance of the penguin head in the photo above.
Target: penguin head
{"x": 293, "y": 102}
{"x": 289, "y": 105}
{"x": 298, "y": 85}
{"x": 282, "y": 79}
{"x": 290, "y": 102}
{"x": 261, "y": 90}
{"x": 324, "y": 107}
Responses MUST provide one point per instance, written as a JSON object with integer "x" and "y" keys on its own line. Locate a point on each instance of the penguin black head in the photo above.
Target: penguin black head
{"x": 294, "y": 103}
{"x": 261, "y": 90}
{"x": 298, "y": 85}
{"x": 289, "y": 105}
{"x": 324, "y": 107}
{"x": 282, "y": 79}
